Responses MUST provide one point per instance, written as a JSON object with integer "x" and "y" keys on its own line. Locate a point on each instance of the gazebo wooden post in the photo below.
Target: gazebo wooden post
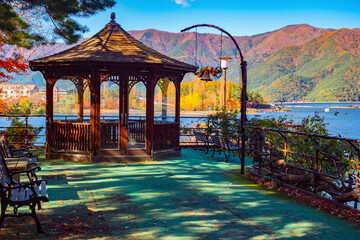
{"x": 93, "y": 111}
{"x": 80, "y": 90}
{"x": 123, "y": 113}
{"x": 126, "y": 117}
{"x": 149, "y": 137}
{"x": 121, "y": 110}
{"x": 49, "y": 113}
{"x": 98, "y": 113}
{"x": 177, "y": 100}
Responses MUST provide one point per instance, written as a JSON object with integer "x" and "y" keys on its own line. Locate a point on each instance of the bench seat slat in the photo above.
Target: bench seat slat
{"x": 43, "y": 188}
{"x": 22, "y": 194}
{"x": 28, "y": 194}
{"x": 15, "y": 194}
{"x": 37, "y": 189}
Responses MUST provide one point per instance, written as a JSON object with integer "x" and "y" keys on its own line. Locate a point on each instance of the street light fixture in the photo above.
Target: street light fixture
{"x": 224, "y": 63}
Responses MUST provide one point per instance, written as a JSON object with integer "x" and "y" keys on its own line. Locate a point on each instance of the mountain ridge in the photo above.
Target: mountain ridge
{"x": 326, "y": 68}
{"x": 272, "y": 56}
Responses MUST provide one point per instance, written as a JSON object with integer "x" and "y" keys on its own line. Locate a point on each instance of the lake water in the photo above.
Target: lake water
{"x": 343, "y": 121}
{"x": 340, "y": 120}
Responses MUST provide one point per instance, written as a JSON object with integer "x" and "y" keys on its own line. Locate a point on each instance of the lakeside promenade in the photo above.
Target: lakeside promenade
{"x": 191, "y": 197}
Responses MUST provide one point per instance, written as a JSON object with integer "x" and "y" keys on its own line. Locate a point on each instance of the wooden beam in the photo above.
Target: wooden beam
{"x": 123, "y": 113}
{"x": 92, "y": 112}
{"x": 149, "y": 137}
{"x": 80, "y": 90}
{"x": 49, "y": 113}
{"x": 97, "y": 114}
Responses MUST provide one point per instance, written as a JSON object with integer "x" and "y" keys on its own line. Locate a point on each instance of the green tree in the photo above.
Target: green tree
{"x": 39, "y": 110}
{"x": 20, "y": 20}
{"x": 25, "y": 106}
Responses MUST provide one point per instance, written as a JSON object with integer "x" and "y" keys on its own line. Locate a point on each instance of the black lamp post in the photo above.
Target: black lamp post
{"x": 243, "y": 98}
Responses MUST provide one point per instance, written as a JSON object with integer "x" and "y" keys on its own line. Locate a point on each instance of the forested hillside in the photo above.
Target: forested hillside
{"x": 325, "y": 69}
{"x": 297, "y": 62}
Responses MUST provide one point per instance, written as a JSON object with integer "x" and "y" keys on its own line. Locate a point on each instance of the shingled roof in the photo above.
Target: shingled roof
{"x": 113, "y": 45}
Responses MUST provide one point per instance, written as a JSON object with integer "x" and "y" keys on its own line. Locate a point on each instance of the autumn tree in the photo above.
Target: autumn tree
{"x": 3, "y": 106}
{"x": 25, "y": 23}
{"x": 9, "y": 65}
{"x": 17, "y": 29}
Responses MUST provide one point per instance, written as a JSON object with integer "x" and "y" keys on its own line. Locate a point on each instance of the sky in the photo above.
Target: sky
{"x": 239, "y": 18}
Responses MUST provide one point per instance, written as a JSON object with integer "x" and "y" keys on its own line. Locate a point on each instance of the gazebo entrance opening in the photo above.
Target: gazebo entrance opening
{"x": 136, "y": 123}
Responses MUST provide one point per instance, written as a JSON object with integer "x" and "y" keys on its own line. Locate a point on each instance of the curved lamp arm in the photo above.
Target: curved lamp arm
{"x": 221, "y": 30}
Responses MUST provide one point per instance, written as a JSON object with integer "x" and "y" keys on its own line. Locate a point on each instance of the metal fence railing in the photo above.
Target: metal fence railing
{"x": 324, "y": 165}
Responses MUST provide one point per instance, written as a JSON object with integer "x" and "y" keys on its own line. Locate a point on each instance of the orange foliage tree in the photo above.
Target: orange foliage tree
{"x": 9, "y": 65}
{"x": 3, "y": 107}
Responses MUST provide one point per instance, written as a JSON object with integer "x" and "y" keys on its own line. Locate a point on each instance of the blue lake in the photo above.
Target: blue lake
{"x": 343, "y": 121}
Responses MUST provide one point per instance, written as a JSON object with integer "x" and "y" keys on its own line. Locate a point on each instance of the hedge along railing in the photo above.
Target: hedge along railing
{"x": 28, "y": 128}
{"x": 324, "y": 165}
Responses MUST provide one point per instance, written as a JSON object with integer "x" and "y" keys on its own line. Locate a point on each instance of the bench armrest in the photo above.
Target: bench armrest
{"x": 24, "y": 185}
{"x": 26, "y": 148}
{"x": 15, "y": 158}
{"x": 25, "y": 171}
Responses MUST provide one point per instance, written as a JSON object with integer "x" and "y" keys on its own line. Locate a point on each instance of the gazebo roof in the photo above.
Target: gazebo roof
{"x": 112, "y": 45}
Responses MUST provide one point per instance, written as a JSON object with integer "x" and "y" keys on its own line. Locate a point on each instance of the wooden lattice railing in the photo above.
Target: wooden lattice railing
{"x": 166, "y": 135}
{"x": 136, "y": 130}
{"x": 109, "y": 134}
{"x": 68, "y": 136}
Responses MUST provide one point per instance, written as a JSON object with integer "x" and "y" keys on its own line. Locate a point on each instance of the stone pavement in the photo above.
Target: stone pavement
{"x": 192, "y": 197}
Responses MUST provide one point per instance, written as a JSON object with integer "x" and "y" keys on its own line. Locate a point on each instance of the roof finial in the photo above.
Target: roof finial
{"x": 112, "y": 17}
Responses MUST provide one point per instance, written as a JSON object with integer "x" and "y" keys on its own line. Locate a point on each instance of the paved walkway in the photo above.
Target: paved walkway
{"x": 192, "y": 197}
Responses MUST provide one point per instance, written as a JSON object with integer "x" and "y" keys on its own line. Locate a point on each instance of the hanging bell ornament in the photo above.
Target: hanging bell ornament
{"x": 206, "y": 72}
{"x": 206, "y": 76}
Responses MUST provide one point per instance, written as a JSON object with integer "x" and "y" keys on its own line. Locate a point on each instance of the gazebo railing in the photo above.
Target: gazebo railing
{"x": 69, "y": 136}
{"x": 166, "y": 135}
{"x": 136, "y": 129}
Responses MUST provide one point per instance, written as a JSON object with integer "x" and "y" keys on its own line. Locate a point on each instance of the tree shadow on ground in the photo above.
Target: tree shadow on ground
{"x": 188, "y": 197}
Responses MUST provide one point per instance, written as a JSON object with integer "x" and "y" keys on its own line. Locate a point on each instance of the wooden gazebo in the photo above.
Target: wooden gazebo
{"x": 110, "y": 55}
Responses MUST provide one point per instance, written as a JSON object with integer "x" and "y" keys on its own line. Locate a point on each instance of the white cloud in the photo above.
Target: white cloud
{"x": 184, "y": 3}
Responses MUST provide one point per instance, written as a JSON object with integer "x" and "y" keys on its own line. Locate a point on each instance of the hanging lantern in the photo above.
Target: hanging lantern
{"x": 224, "y": 62}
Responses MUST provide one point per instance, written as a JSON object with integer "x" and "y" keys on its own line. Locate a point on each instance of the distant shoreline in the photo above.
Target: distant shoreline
{"x": 188, "y": 113}
{"x": 344, "y": 102}
{"x": 349, "y": 106}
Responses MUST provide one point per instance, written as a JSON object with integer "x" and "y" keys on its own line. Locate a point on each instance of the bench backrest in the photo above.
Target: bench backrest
{"x": 4, "y": 148}
{"x": 5, "y": 179}
{"x": 4, "y": 171}
{"x": 216, "y": 140}
{"x": 201, "y": 136}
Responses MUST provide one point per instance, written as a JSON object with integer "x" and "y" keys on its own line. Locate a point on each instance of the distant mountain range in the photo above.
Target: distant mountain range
{"x": 297, "y": 62}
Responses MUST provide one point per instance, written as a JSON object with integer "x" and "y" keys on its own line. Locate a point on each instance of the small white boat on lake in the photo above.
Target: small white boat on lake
{"x": 327, "y": 109}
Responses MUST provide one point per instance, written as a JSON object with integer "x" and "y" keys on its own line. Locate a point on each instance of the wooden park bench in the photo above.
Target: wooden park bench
{"x": 226, "y": 145}
{"x": 201, "y": 137}
{"x": 17, "y": 195}
{"x": 9, "y": 153}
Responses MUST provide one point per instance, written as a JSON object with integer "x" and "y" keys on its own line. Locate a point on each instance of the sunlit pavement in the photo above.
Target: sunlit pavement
{"x": 192, "y": 197}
